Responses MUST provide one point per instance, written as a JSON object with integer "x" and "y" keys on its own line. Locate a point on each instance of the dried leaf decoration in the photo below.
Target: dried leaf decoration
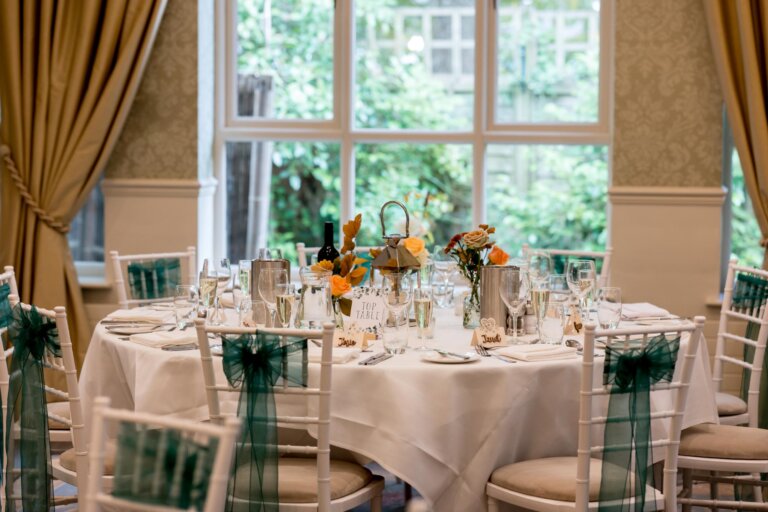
{"x": 357, "y": 275}
{"x": 346, "y": 264}
{"x": 351, "y": 229}
{"x": 323, "y": 265}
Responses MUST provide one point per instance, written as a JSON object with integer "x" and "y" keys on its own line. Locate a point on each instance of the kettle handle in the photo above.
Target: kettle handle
{"x": 407, "y": 218}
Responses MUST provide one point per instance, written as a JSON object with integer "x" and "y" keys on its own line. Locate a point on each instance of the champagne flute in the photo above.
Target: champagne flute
{"x": 539, "y": 265}
{"x": 539, "y": 300}
{"x": 608, "y": 307}
{"x": 422, "y": 305}
{"x": 207, "y": 293}
{"x": 513, "y": 289}
{"x": 285, "y": 297}
{"x": 581, "y": 280}
{"x": 244, "y": 280}
{"x": 269, "y": 280}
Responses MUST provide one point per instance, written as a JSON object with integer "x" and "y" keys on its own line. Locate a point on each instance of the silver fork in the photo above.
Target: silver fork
{"x": 481, "y": 350}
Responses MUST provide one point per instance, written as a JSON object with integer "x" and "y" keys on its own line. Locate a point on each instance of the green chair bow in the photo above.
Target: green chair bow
{"x": 257, "y": 363}
{"x": 162, "y": 467}
{"x": 749, "y": 295}
{"x": 5, "y": 305}
{"x": 32, "y": 335}
{"x": 154, "y": 279}
{"x": 631, "y": 372}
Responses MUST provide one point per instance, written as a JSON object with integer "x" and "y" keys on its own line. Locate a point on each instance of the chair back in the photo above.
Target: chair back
{"x": 7, "y": 277}
{"x": 71, "y": 393}
{"x": 161, "y": 463}
{"x": 561, "y": 257}
{"x": 668, "y": 419}
{"x": 214, "y": 389}
{"x": 744, "y": 299}
{"x": 143, "y": 278}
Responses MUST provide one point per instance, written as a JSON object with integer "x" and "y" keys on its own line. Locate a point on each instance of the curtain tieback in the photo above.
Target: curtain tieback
{"x": 764, "y": 243}
{"x": 52, "y": 222}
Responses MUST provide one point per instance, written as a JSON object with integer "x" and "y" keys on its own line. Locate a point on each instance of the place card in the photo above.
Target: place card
{"x": 350, "y": 337}
{"x": 488, "y": 334}
{"x": 368, "y": 310}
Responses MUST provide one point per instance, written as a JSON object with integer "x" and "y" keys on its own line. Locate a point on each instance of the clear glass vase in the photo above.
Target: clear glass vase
{"x": 472, "y": 311}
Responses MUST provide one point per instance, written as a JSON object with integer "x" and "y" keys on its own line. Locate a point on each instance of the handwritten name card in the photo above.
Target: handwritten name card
{"x": 488, "y": 334}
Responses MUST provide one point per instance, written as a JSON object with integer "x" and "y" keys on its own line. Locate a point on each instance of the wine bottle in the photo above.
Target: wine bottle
{"x": 328, "y": 251}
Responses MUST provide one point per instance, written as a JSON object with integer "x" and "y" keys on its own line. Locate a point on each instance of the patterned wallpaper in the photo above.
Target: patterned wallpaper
{"x": 668, "y": 106}
{"x": 160, "y": 138}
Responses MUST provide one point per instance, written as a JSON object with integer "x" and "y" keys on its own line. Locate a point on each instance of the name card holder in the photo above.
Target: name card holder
{"x": 488, "y": 334}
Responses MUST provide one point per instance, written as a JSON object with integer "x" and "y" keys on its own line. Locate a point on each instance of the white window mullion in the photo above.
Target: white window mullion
{"x": 480, "y": 121}
{"x": 344, "y": 89}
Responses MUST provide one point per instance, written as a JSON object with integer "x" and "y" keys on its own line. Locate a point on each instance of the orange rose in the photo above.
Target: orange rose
{"x": 339, "y": 286}
{"x": 497, "y": 256}
{"x": 414, "y": 245}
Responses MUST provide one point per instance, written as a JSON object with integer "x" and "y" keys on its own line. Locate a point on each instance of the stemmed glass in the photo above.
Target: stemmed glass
{"x": 422, "y": 305}
{"x": 539, "y": 265}
{"x": 581, "y": 281}
{"x": 513, "y": 289}
{"x": 207, "y": 293}
{"x": 397, "y": 290}
{"x": 222, "y": 274}
{"x": 285, "y": 295}
{"x": 444, "y": 266}
{"x": 609, "y": 307}
{"x": 269, "y": 253}
{"x": 540, "y": 293}
{"x": 270, "y": 280}
{"x": 244, "y": 280}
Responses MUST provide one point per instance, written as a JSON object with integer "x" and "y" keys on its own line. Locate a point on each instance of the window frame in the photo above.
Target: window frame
{"x": 341, "y": 128}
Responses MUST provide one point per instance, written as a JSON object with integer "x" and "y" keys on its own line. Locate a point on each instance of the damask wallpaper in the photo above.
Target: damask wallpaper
{"x": 160, "y": 138}
{"x": 668, "y": 106}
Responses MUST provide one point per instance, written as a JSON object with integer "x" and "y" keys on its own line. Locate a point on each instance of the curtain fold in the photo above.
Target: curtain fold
{"x": 738, "y": 31}
{"x": 69, "y": 72}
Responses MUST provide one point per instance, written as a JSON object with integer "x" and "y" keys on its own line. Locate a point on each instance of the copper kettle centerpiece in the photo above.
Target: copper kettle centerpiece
{"x": 394, "y": 257}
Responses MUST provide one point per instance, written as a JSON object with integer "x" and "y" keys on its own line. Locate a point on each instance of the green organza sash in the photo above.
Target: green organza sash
{"x": 749, "y": 296}
{"x": 154, "y": 279}
{"x": 162, "y": 467}
{"x": 257, "y": 363}
{"x": 631, "y": 371}
{"x": 5, "y": 305}
{"x": 32, "y": 336}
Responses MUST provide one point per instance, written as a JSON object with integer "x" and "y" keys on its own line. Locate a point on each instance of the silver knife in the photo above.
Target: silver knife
{"x": 451, "y": 354}
{"x": 381, "y": 359}
{"x": 373, "y": 358}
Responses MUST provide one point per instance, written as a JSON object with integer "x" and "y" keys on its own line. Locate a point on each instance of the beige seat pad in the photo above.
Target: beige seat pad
{"x": 553, "y": 478}
{"x": 297, "y": 479}
{"x": 59, "y": 409}
{"x": 67, "y": 459}
{"x": 724, "y": 442}
{"x": 729, "y": 405}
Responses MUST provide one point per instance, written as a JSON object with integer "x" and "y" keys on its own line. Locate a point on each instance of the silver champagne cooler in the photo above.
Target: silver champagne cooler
{"x": 257, "y": 265}
{"x": 491, "y": 305}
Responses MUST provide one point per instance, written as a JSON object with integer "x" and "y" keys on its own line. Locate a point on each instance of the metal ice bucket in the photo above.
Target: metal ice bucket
{"x": 258, "y": 265}
{"x": 491, "y": 305}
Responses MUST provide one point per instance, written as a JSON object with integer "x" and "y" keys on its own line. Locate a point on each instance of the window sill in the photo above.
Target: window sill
{"x": 715, "y": 302}
{"x": 91, "y": 275}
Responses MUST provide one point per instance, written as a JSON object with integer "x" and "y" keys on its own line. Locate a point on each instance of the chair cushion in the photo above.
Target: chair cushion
{"x": 297, "y": 480}
{"x": 729, "y": 405}
{"x": 553, "y": 478}
{"x": 59, "y": 409}
{"x": 724, "y": 442}
{"x": 67, "y": 459}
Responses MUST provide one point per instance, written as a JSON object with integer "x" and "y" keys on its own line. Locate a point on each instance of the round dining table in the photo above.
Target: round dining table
{"x": 443, "y": 428}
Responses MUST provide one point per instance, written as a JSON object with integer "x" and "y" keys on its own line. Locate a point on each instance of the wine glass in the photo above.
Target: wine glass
{"x": 608, "y": 307}
{"x": 513, "y": 289}
{"x": 444, "y": 265}
{"x": 185, "y": 305}
{"x": 559, "y": 291}
{"x": 285, "y": 297}
{"x": 581, "y": 281}
{"x": 422, "y": 306}
{"x": 397, "y": 288}
{"x": 539, "y": 265}
{"x": 269, "y": 253}
{"x": 269, "y": 280}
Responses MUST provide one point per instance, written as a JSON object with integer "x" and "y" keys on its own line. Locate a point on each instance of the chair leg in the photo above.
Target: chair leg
{"x": 407, "y": 492}
{"x": 713, "y": 491}
{"x": 757, "y": 491}
{"x": 493, "y": 505}
{"x": 687, "y": 487}
{"x": 376, "y": 503}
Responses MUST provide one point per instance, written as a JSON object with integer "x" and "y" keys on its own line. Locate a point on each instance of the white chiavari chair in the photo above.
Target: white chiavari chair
{"x": 573, "y": 483}
{"x": 221, "y": 438}
{"x": 601, "y": 258}
{"x": 67, "y": 413}
{"x": 152, "y": 285}
{"x": 340, "y": 485}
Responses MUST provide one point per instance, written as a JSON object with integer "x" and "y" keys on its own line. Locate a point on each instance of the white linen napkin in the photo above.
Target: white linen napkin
{"x": 537, "y": 352}
{"x": 340, "y": 355}
{"x": 642, "y": 310}
{"x": 138, "y": 315}
{"x": 161, "y": 339}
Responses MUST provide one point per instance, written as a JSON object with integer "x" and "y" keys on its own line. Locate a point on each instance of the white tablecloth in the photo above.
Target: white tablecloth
{"x": 442, "y": 428}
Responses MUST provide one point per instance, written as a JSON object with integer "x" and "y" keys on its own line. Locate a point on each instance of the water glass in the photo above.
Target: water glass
{"x": 553, "y": 324}
{"x": 253, "y": 313}
{"x": 513, "y": 289}
{"x": 185, "y": 305}
{"x": 443, "y": 294}
{"x": 539, "y": 265}
{"x": 395, "y": 332}
{"x": 558, "y": 289}
{"x": 609, "y": 307}
{"x": 315, "y": 302}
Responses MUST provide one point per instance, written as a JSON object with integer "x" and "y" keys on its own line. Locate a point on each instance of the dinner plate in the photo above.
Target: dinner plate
{"x": 434, "y": 357}
{"x": 128, "y": 330}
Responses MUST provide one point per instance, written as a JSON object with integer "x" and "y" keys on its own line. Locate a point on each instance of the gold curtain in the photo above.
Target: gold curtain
{"x": 737, "y": 30}
{"x": 69, "y": 72}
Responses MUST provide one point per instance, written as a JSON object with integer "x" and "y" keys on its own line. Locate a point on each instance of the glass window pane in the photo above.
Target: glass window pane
{"x": 433, "y": 180}
{"x": 86, "y": 234}
{"x": 548, "y": 61}
{"x": 745, "y": 232}
{"x": 547, "y": 196}
{"x": 411, "y": 78}
{"x": 289, "y": 204}
{"x": 285, "y": 59}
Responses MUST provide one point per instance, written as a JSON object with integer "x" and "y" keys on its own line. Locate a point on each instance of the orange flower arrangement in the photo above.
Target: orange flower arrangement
{"x": 497, "y": 256}
{"x": 472, "y": 250}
